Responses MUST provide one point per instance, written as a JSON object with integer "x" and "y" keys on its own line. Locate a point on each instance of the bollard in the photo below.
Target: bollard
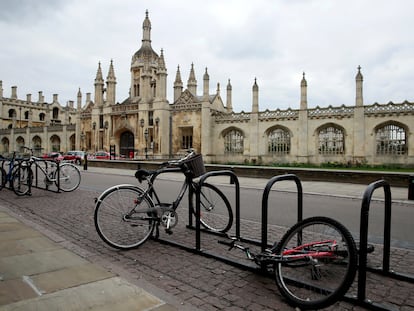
{"x": 85, "y": 162}
{"x": 411, "y": 187}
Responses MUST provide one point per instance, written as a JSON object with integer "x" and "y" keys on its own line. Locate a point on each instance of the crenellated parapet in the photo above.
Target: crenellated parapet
{"x": 331, "y": 112}
{"x": 390, "y": 109}
{"x": 240, "y": 117}
{"x": 279, "y": 115}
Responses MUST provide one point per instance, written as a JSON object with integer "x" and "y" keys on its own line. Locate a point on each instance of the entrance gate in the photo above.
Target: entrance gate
{"x": 126, "y": 146}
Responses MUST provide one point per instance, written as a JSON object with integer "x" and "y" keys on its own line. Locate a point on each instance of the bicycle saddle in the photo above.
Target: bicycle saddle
{"x": 141, "y": 174}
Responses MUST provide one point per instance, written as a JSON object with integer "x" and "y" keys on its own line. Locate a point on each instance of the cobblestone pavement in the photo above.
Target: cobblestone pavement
{"x": 194, "y": 280}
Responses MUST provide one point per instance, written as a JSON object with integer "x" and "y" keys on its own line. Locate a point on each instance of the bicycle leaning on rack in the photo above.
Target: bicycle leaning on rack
{"x": 126, "y": 215}
{"x": 314, "y": 264}
{"x": 12, "y": 175}
{"x": 65, "y": 176}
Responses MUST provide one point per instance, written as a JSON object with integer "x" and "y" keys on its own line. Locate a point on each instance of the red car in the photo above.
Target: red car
{"x": 74, "y": 156}
{"x": 102, "y": 155}
{"x": 52, "y": 156}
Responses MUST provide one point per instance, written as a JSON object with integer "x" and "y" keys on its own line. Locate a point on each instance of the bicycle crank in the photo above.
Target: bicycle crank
{"x": 169, "y": 219}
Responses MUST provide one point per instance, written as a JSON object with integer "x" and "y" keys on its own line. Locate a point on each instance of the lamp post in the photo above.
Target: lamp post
{"x": 146, "y": 143}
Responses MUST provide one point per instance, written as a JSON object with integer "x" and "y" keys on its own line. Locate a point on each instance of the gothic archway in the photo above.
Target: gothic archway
{"x": 126, "y": 145}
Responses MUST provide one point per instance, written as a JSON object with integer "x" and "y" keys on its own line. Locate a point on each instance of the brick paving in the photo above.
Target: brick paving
{"x": 198, "y": 281}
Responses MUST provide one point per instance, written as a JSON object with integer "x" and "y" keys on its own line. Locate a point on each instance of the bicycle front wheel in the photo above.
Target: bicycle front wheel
{"x": 124, "y": 217}
{"x": 69, "y": 177}
{"x": 319, "y": 262}
{"x": 215, "y": 210}
{"x": 22, "y": 180}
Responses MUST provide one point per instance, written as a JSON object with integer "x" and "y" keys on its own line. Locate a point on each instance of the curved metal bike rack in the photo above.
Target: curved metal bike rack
{"x": 363, "y": 268}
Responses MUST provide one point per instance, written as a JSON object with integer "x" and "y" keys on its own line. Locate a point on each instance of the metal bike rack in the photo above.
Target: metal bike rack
{"x": 265, "y": 203}
{"x": 385, "y": 270}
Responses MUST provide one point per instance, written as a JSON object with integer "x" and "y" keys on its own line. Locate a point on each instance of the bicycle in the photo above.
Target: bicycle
{"x": 125, "y": 215}
{"x": 13, "y": 175}
{"x": 314, "y": 264}
{"x": 66, "y": 176}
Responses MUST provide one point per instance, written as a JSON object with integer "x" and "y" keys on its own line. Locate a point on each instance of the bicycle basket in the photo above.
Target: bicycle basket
{"x": 196, "y": 165}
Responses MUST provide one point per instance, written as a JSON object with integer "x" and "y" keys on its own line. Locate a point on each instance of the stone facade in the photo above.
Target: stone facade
{"x": 147, "y": 125}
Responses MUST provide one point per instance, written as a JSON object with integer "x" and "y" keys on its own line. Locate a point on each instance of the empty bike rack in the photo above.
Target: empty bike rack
{"x": 363, "y": 268}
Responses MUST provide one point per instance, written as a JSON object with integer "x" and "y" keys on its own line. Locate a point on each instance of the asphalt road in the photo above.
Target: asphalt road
{"x": 283, "y": 206}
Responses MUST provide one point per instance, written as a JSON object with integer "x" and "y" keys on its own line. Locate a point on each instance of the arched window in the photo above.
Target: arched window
{"x": 391, "y": 140}
{"x": 55, "y": 113}
{"x": 233, "y": 142}
{"x": 37, "y": 145}
{"x": 55, "y": 142}
{"x": 20, "y": 144}
{"x": 5, "y": 145}
{"x": 12, "y": 113}
{"x": 42, "y": 116}
{"x": 279, "y": 141}
{"x": 331, "y": 140}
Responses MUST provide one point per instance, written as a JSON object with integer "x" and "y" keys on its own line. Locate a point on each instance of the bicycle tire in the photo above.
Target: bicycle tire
{"x": 69, "y": 177}
{"x": 326, "y": 280}
{"x": 111, "y": 222}
{"x": 216, "y": 213}
{"x": 22, "y": 179}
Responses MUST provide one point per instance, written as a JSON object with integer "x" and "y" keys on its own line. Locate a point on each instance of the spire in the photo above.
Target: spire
{"x": 99, "y": 77}
{"x": 206, "y": 84}
{"x": 111, "y": 72}
{"x": 178, "y": 84}
{"x": 110, "y": 85}
{"x": 161, "y": 61}
{"x": 99, "y": 86}
{"x": 303, "y": 93}
{"x": 146, "y": 28}
{"x": 359, "y": 100}
{"x": 79, "y": 101}
{"x": 229, "y": 104}
{"x": 178, "y": 80}
{"x": 255, "y": 104}
{"x": 192, "y": 82}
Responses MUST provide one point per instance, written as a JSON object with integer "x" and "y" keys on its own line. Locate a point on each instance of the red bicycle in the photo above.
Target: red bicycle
{"x": 314, "y": 263}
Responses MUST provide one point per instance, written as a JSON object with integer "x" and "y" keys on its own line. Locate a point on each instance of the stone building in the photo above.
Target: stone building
{"x": 147, "y": 125}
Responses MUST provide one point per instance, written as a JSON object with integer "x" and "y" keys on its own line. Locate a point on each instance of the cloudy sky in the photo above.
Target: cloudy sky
{"x": 54, "y": 46}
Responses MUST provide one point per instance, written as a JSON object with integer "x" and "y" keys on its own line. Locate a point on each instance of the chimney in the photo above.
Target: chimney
{"x": 14, "y": 92}
{"x": 40, "y": 100}
{"x": 29, "y": 98}
{"x": 55, "y": 98}
{"x": 88, "y": 98}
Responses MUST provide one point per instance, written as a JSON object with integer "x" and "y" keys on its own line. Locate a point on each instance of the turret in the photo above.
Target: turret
{"x": 79, "y": 101}
{"x": 161, "y": 90}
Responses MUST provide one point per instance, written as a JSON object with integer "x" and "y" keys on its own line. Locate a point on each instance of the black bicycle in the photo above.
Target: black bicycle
{"x": 126, "y": 215}
{"x": 11, "y": 173}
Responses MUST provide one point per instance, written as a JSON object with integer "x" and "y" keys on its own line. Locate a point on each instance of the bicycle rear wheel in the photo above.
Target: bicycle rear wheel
{"x": 216, "y": 213}
{"x": 69, "y": 177}
{"x": 124, "y": 218}
{"x": 312, "y": 280}
{"x": 22, "y": 179}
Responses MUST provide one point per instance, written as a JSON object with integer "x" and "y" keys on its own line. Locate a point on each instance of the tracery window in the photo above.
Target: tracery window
{"x": 279, "y": 141}
{"x": 391, "y": 140}
{"x": 331, "y": 141}
{"x": 233, "y": 142}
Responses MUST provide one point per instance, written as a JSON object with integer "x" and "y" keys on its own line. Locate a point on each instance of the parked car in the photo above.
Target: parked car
{"x": 102, "y": 155}
{"x": 75, "y": 156}
{"x": 52, "y": 156}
